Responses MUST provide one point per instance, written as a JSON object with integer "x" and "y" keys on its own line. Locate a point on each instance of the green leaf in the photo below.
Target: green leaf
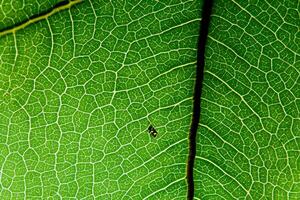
{"x": 16, "y": 12}
{"x": 248, "y": 141}
{"x": 82, "y": 82}
{"x": 79, "y": 89}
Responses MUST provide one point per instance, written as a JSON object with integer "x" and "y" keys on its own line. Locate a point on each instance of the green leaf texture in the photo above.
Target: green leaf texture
{"x": 16, "y": 11}
{"x": 78, "y": 91}
{"x": 248, "y": 142}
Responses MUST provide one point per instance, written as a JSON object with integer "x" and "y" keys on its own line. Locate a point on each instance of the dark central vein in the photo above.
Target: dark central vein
{"x": 204, "y": 24}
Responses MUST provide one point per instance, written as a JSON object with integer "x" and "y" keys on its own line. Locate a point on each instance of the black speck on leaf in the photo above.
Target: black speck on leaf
{"x": 152, "y": 131}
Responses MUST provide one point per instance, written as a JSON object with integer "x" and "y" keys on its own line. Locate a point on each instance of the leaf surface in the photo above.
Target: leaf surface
{"x": 83, "y": 88}
{"x": 78, "y": 91}
{"x": 17, "y": 11}
{"x": 248, "y": 141}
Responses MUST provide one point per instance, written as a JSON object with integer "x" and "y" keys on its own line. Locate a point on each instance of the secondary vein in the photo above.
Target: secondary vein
{"x": 35, "y": 18}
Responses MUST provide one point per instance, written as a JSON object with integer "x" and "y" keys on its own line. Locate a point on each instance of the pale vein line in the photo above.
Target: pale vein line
{"x": 170, "y": 184}
{"x": 225, "y": 141}
{"x": 263, "y": 25}
{"x": 224, "y": 172}
{"x": 241, "y": 96}
{"x": 39, "y": 18}
{"x": 217, "y": 181}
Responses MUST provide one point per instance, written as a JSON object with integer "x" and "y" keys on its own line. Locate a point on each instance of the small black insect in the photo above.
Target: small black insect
{"x": 152, "y": 131}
